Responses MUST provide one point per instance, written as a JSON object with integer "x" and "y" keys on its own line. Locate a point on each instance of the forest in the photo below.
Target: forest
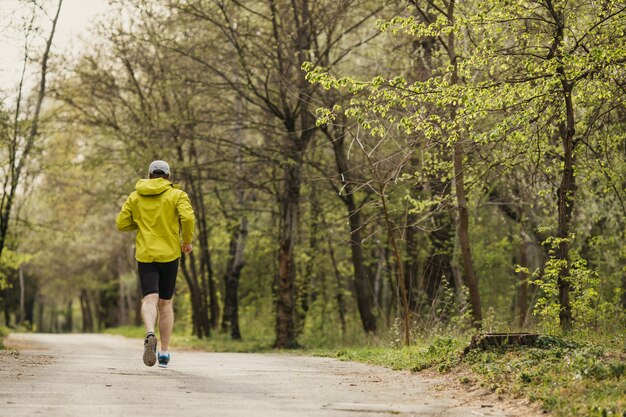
{"x": 360, "y": 170}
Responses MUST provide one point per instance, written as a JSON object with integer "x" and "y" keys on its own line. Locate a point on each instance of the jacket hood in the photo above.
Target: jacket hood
{"x": 154, "y": 186}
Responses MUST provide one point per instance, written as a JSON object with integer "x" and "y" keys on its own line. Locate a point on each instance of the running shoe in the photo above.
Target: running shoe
{"x": 164, "y": 359}
{"x": 149, "y": 350}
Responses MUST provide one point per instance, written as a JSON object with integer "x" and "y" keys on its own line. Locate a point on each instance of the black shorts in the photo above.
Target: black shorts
{"x": 158, "y": 278}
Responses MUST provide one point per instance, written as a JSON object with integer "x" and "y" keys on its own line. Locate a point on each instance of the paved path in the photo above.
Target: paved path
{"x": 102, "y": 376}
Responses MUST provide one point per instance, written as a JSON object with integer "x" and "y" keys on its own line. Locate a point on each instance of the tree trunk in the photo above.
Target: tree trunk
{"x": 85, "y": 307}
{"x": 285, "y": 297}
{"x": 22, "y": 310}
{"x": 341, "y": 303}
{"x": 304, "y": 296}
{"x": 199, "y": 313}
{"x": 233, "y": 273}
{"x": 565, "y": 194}
{"x": 6, "y": 309}
{"x": 299, "y": 124}
{"x": 362, "y": 285}
{"x": 53, "y": 324}
{"x": 522, "y": 292}
{"x": 138, "y": 318}
{"x": 457, "y": 276}
{"x": 29, "y": 317}
{"x": 411, "y": 265}
{"x": 211, "y": 290}
{"x": 200, "y": 285}
{"x": 122, "y": 309}
{"x": 464, "y": 242}
{"x": 40, "y": 324}
{"x": 379, "y": 286}
{"x": 567, "y": 187}
{"x": 459, "y": 184}
{"x": 69, "y": 318}
{"x": 624, "y": 289}
{"x": 18, "y": 157}
{"x": 404, "y": 303}
{"x": 393, "y": 296}
{"x": 240, "y": 234}
{"x": 439, "y": 262}
{"x": 206, "y": 279}
{"x": 423, "y": 48}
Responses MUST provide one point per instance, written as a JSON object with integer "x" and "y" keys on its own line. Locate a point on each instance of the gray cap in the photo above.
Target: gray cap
{"x": 159, "y": 165}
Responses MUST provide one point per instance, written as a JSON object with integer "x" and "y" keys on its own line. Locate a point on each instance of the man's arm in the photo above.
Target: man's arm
{"x": 187, "y": 218}
{"x": 124, "y": 221}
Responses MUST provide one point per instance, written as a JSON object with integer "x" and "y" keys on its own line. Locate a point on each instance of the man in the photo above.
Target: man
{"x": 158, "y": 211}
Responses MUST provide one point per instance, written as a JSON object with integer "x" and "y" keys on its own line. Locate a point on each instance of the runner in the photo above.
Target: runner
{"x": 158, "y": 210}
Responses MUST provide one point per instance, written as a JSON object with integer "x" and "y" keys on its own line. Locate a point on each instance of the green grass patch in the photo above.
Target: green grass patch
{"x": 127, "y": 331}
{"x": 441, "y": 352}
{"x": 4, "y": 332}
{"x": 182, "y": 340}
{"x": 570, "y": 378}
{"x": 567, "y": 377}
{"x": 223, "y": 343}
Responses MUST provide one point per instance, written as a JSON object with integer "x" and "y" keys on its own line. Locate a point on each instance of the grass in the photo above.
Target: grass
{"x": 568, "y": 377}
{"x": 441, "y": 353}
{"x": 3, "y": 333}
{"x": 182, "y": 340}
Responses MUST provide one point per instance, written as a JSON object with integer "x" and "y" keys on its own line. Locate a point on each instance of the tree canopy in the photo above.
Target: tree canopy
{"x": 357, "y": 168}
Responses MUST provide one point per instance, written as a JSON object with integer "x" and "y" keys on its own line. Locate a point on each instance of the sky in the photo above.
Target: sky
{"x": 72, "y": 30}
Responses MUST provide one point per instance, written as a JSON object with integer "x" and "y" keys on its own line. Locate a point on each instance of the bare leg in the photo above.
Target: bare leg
{"x": 149, "y": 311}
{"x": 166, "y": 323}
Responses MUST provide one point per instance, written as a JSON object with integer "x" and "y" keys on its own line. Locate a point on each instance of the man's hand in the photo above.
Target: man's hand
{"x": 187, "y": 248}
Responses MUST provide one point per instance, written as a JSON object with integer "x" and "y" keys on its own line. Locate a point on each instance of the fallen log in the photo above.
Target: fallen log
{"x": 494, "y": 340}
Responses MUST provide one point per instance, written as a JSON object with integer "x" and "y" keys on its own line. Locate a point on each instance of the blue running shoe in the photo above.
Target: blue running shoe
{"x": 164, "y": 359}
{"x": 149, "y": 349}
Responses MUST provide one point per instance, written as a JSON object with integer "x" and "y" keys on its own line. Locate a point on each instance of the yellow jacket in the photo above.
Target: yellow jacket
{"x": 157, "y": 210}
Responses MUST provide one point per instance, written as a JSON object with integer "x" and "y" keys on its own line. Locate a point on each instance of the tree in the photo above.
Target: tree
{"x": 525, "y": 64}
{"x": 21, "y": 131}
{"x": 453, "y": 161}
{"x": 270, "y": 79}
{"x": 554, "y": 54}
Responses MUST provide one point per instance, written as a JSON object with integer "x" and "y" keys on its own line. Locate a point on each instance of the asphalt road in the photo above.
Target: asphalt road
{"x": 101, "y": 375}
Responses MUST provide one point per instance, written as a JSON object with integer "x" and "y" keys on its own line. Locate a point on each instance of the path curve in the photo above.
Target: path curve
{"x": 103, "y": 375}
